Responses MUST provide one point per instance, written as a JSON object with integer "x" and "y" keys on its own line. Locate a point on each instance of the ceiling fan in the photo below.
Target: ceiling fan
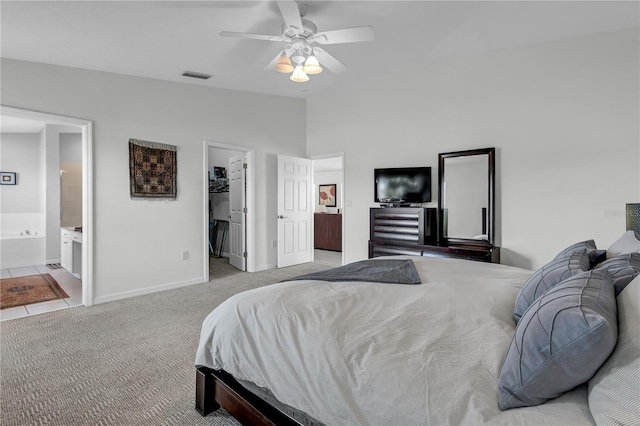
{"x": 299, "y": 35}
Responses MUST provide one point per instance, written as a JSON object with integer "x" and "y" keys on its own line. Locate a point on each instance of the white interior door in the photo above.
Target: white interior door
{"x": 237, "y": 212}
{"x": 294, "y": 211}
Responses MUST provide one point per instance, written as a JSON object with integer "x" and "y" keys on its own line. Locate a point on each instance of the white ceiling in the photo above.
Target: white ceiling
{"x": 162, "y": 39}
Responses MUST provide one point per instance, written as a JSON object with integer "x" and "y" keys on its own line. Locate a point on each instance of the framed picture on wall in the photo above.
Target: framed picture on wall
{"x": 7, "y": 178}
{"x": 328, "y": 195}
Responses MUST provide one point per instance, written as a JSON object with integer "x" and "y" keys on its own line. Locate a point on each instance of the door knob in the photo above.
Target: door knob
{"x": 281, "y": 217}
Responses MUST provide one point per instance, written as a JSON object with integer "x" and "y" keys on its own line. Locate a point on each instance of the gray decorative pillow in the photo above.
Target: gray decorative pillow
{"x": 549, "y": 276}
{"x": 614, "y": 391}
{"x": 588, "y": 245}
{"x": 596, "y": 257}
{"x": 628, "y": 243}
{"x": 622, "y": 269}
{"x": 561, "y": 341}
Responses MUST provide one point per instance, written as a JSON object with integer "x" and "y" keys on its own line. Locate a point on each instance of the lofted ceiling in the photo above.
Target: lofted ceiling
{"x": 163, "y": 39}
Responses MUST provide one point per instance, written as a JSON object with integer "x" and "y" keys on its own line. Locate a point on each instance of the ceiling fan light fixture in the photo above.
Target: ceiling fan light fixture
{"x": 298, "y": 34}
{"x": 284, "y": 64}
{"x": 312, "y": 66}
{"x": 298, "y": 75}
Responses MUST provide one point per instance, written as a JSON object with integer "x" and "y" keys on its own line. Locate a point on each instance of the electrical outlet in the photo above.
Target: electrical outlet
{"x": 184, "y": 255}
{"x": 274, "y": 243}
{"x": 347, "y": 203}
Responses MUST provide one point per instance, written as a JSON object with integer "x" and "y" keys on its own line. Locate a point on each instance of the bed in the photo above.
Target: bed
{"x": 316, "y": 352}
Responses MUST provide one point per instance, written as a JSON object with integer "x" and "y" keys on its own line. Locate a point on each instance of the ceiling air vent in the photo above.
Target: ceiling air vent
{"x": 194, "y": 74}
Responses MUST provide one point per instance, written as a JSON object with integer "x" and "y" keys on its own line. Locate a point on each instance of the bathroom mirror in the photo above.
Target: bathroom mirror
{"x": 466, "y": 197}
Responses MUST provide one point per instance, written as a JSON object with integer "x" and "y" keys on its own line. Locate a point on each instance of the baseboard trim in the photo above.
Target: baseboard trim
{"x": 146, "y": 290}
{"x": 265, "y": 267}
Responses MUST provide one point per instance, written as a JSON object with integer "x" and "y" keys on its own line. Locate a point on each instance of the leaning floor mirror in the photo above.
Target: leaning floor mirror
{"x": 466, "y": 198}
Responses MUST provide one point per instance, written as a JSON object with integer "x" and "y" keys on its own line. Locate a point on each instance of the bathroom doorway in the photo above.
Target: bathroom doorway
{"x": 54, "y": 165}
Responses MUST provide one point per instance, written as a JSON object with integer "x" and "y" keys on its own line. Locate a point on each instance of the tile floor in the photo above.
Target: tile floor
{"x": 69, "y": 283}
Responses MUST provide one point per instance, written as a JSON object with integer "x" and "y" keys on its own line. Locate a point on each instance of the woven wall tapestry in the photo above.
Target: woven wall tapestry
{"x": 152, "y": 170}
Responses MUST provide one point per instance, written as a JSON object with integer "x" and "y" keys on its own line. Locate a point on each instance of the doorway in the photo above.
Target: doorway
{"x": 50, "y": 223}
{"x": 328, "y": 235}
{"x": 228, "y": 209}
{"x": 310, "y": 210}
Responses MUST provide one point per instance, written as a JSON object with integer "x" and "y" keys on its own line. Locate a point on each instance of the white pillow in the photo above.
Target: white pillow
{"x": 614, "y": 391}
{"x": 628, "y": 243}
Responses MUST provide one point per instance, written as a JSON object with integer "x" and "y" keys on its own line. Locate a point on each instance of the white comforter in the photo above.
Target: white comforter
{"x": 351, "y": 353}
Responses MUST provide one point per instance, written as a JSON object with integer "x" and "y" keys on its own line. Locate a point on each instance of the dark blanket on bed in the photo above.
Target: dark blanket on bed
{"x": 392, "y": 271}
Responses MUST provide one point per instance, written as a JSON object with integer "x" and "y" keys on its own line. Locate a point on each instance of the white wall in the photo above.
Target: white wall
{"x": 71, "y": 179}
{"x": 20, "y": 153}
{"x": 34, "y": 203}
{"x": 137, "y": 244}
{"x": 71, "y": 147}
{"x": 563, "y": 116}
{"x": 36, "y": 197}
{"x": 22, "y": 205}
{"x": 50, "y": 187}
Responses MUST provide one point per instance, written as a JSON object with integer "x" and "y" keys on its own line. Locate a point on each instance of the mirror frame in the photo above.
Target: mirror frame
{"x": 469, "y": 242}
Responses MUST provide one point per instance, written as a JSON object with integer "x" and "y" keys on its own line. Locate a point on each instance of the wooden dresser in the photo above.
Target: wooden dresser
{"x": 412, "y": 231}
{"x": 327, "y": 231}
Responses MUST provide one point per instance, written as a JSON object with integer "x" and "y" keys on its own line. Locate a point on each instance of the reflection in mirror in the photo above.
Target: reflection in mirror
{"x": 466, "y": 203}
{"x": 465, "y": 198}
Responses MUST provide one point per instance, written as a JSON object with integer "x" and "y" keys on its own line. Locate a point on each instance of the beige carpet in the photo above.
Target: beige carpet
{"x": 219, "y": 268}
{"x": 128, "y": 362}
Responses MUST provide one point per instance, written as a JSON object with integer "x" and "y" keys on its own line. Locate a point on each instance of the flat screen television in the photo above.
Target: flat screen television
{"x": 404, "y": 185}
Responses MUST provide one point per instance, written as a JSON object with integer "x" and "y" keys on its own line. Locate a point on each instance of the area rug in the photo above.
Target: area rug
{"x": 30, "y": 289}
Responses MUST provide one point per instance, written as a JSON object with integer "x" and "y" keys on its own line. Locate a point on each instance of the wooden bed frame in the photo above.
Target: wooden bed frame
{"x": 217, "y": 388}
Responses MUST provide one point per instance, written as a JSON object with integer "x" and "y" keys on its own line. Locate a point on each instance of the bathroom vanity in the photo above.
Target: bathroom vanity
{"x": 71, "y": 250}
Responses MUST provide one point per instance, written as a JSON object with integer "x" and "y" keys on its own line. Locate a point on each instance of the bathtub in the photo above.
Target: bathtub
{"x": 21, "y": 250}
{"x": 22, "y": 240}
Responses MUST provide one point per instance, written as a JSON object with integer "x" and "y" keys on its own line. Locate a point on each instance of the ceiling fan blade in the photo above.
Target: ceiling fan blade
{"x": 291, "y": 14}
{"x": 346, "y": 35}
{"x": 329, "y": 61}
{"x": 251, "y": 36}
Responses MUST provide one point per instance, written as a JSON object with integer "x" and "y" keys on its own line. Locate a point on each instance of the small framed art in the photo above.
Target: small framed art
{"x": 7, "y": 178}
{"x": 327, "y": 195}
